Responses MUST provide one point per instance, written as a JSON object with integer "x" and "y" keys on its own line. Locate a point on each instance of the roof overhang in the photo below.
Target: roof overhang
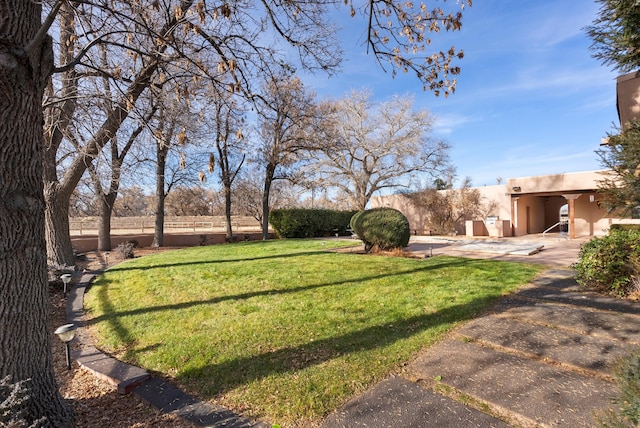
{"x": 628, "y": 97}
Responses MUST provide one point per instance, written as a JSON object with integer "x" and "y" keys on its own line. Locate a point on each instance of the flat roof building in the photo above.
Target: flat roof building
{"x": 567, "y": 202}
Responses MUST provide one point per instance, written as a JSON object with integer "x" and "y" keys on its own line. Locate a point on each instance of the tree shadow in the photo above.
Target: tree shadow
{"x": 125, "y": 267}
{"x": 215, "y": 379}
{"x": 219, "y": 378}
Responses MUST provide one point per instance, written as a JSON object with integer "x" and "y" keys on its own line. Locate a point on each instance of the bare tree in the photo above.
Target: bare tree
{"x": 228, "y": 136}
{"x": 284, "y": 125}
{"x": 447, "y": 210}
{"x": 131, "y": 202}
{"x": 164, "y": 131}
{"x": 188, "y": 201}
{"x": 113, "y": 170}
{"x": 147, "y": 42}
{"x": 83, "y": 202}
{"x": 366, "y": 148}
{"x": 247, "y": 195}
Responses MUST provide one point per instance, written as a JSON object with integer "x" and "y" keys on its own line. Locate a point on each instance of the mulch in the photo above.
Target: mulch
{"x": 97, "y": 403}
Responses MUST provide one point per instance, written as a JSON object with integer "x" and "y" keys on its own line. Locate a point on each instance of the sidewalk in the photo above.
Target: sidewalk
{"x": 541, "y": 358}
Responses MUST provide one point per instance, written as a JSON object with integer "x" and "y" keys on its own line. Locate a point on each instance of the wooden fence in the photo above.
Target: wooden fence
{"x": 125, "y": 225}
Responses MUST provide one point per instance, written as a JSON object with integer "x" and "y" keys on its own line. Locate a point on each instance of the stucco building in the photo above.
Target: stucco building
{"x": 567, "y": 202}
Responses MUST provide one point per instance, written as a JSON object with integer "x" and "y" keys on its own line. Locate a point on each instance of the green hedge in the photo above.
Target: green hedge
{"x": 611, "y": 263}
{"x": 383, "y": 228}
{"x": 309, "y": 223}
{"x": 619, "y": 226}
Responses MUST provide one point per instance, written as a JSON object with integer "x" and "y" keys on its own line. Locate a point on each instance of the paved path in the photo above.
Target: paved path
{"x": 552, "y": 250}
{"x": 541, "y": 358}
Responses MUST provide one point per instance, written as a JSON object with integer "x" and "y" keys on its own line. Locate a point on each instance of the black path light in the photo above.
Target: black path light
{"x": 66, "y": 333}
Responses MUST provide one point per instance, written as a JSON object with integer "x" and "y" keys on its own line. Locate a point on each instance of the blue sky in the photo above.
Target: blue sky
{"x": 530, "y": 99}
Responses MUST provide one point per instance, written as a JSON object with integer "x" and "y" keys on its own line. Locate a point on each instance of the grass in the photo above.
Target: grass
{"x": 285, "y": 330}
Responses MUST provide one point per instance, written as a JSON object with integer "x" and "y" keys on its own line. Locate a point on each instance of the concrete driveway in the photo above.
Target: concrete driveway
{"x": 552, "y": 249}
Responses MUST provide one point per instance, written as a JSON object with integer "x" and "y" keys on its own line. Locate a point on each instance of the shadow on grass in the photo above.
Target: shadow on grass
{"x": 125, "y": 267}
{"x": 111, "y": 314}
{"x": 219, "y": 378}
{"x": 214, "y": 379}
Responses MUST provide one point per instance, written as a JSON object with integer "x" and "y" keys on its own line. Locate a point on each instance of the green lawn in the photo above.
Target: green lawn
{"x": 286, "y": 330}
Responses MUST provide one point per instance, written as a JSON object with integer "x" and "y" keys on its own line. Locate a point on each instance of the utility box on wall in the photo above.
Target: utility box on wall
{"x": 499, "y": 228}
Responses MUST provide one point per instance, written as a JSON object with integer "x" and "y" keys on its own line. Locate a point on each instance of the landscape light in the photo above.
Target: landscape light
{"x": 66, "y": 279}
{"x": 66, "y": 333}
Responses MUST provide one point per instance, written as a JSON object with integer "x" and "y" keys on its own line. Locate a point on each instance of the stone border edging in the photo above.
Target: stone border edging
{"x": 127, "y": 378}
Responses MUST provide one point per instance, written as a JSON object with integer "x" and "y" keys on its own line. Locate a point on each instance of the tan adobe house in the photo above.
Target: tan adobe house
{"x": 555, "y": 203}
{"x": 566, "y": 203}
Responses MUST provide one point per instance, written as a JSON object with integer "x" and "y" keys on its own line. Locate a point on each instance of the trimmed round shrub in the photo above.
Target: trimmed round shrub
{"x": 382, "y": 228}
{"x": 611, "y": 263}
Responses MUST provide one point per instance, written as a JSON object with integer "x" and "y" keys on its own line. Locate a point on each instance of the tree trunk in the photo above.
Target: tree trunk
{"x": 58, "y": 237}
{"x": 25, "y": 349}
{"x": 104, "y": 227}
{"x": 158, "y": 233}
{"x": 268, "y": 180}
{"x": 227, "y": 212}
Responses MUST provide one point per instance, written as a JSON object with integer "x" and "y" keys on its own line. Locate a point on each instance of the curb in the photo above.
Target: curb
{"x": 150, "y": 389}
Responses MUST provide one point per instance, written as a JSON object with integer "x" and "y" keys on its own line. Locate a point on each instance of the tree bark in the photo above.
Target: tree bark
{"x": 227, "y": 212}
{"x": 57, "y": 226}
{"x": 105, "y": 205}
{"x": 25, "y": 349}
{"x": 268, "y": 180}
{"x": 161, "y": 155}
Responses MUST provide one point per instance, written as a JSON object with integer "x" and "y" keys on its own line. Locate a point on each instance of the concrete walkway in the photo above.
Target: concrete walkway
{"x": 551, "y": 250}
{"x": 542, "y": 357}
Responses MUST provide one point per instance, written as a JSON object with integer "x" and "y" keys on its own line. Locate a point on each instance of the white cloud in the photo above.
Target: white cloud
{"x": 446, "y": 123}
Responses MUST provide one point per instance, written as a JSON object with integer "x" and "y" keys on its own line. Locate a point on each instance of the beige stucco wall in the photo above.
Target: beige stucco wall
{"x": 415, "y": 216}
{"x": 530, "y": 205}
{"x": 566, "y": 182}
{"x": 591, "y": 220}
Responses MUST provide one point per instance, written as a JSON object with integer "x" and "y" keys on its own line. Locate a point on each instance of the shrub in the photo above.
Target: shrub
{"x": 611, "y": 263}
{"x": 125, "y": 250}
{"x": 13, "y": 397}
{"x": 309, "y": 223}
{"x": 627, "y": 409}
{"x": 382, "y": 228}
{"x": 625, "y": 226}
